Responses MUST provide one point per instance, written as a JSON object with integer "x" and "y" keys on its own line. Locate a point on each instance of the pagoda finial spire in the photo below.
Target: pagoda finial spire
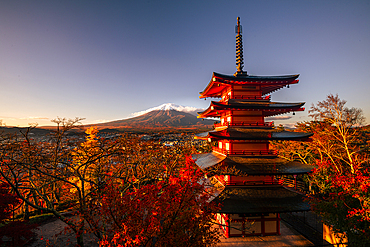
{"x": 239, "y": 49}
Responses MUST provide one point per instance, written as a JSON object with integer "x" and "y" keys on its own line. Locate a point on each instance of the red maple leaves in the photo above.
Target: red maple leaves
{"x": 174, "y": 211}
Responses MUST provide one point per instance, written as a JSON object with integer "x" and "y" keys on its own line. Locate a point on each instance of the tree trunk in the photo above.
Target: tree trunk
{"x": 26, "y": 212}
{"x": 80, "y": 235}
{"x": 80, "y": 240}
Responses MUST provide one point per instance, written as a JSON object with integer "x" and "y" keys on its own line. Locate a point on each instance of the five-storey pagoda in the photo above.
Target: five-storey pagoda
{"x": 242, "y": 167}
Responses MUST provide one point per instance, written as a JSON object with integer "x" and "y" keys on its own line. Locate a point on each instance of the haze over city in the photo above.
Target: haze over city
{"x": 104, "y": 61}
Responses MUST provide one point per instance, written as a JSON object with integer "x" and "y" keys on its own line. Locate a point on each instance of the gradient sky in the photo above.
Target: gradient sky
{"x": 104, "y": 60}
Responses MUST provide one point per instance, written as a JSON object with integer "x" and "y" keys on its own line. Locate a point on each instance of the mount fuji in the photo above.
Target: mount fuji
{"x": 164, "y": 117}
{"x": 169, "y": 107}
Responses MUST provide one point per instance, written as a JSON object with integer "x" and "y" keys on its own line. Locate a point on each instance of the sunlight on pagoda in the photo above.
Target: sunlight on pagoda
{"x": 245, "y": 173}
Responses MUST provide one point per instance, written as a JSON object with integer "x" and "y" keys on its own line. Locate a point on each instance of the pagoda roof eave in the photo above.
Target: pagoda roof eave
{"x": 273, "y": 108}
{"x": 246, "y": 77}
{"x": 266, "y": 166}
{"x": 269, "y": 83}
{"x": 206, "y": 160}
{"x": 260, "y": 200}
{"x": 249, "y": 166}
{"x": 245, "y": 134}
{"x": 237, "y": 103}
{"x": 202, "y": 136}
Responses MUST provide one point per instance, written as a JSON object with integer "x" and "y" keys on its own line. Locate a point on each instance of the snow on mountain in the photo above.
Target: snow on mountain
{"x": 170, "y": 106}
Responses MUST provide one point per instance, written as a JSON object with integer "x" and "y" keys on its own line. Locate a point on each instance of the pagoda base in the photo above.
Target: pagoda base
{"x": 239, "y": 225}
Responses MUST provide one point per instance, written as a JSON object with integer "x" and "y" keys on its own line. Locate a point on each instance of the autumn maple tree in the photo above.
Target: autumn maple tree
{"x": 172, "y": 210}
{"x": 341, "y": 179}
{"x": 342, "y": 176}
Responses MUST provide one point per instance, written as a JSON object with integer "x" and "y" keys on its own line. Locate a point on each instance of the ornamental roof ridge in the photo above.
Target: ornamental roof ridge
{"x": 239, "y": 50}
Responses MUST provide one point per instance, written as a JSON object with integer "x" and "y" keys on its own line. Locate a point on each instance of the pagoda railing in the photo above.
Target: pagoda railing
{"x": 246, "y": 152}
{"x": 298, "y": 186}
{"x": 268, "y": 97}
{"x": 286, "y": 182}
{"x": 293, "y": 183}
{"x": 240, "y": 123}
{"x": 253, "y": 183}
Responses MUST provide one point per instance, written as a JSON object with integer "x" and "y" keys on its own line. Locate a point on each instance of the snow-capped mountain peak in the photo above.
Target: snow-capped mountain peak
{"x": 168, "y": 107}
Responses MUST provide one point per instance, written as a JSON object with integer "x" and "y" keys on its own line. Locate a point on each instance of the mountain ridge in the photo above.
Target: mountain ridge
{"x": 159, "y": 119}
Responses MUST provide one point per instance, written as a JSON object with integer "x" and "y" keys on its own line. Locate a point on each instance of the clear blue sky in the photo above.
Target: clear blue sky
{"x": 103, "y": 60}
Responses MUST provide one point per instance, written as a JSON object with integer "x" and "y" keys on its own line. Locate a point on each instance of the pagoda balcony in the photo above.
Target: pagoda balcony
{"x": 247, "y": 97}
{"x": 290, "y": 183}
{"x": 246, "y": 152}
{"x": 252, "y": 183}
{"x": 236, "y": 124}
{"x": 268, "y": 97}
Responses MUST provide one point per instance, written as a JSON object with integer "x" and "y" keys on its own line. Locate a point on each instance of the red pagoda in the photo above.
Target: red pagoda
{"x": 242, "y": 168}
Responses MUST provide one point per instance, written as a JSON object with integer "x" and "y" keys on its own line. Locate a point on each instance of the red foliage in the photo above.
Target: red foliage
{"x": 17, "y": 232}
{"x": 170, "y": 212}
{"x": 357, "y": 185}
{"x": 20, "y": 232}
{"x": 346, "y": 200}
{"x": 8, "y": 202}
